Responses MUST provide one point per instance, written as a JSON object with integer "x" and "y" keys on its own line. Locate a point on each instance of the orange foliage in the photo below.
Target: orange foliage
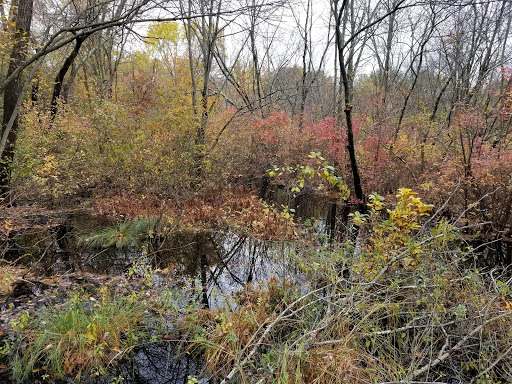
{"x": 239, "y": 209}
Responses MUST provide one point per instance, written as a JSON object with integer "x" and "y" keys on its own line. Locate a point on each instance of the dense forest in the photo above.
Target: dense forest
{"x": 256, "y": 191}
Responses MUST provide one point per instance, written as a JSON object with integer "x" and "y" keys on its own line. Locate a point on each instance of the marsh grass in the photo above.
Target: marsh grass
{"x": 220, "y": 335}
{"x": 82, "y": 338}
{"x": 123, "y": 236}
{"x": 439, "y": 322}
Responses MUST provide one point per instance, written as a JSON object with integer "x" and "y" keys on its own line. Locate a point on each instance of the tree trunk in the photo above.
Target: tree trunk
{"x": 387, "y": 61}
{"x": 347, "y": 91}
{"x": 305, "y": 68}
{"x": 255, "y": 58}
{"x": 59, "y": 80}
{"x": 14, "y": 89}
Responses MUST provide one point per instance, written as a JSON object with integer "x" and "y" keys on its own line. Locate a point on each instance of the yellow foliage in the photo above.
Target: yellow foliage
{"x": 390, "y": 237}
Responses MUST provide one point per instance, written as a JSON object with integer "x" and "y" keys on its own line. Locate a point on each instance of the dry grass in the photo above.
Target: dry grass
{"x": 443, "y": 321}
{"x": 239, "y": 209}
{"x": 337, "y": 364}
{"x": 8, "y": 277}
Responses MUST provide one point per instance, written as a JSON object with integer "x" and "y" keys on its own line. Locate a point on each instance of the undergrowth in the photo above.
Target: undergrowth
{"x": 401, "y": 302}
{"x": 81, "y": 338}
{"x": 239, "y": 209}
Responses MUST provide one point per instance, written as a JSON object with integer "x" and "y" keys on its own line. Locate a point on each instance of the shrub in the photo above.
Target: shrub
{"x": 402, "y": 303}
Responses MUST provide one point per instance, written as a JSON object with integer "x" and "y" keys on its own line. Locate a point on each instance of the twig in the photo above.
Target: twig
{"x": 445, "y": 345}
{"x": 457, "y": 346}
{"x": 313, "y": 332}
{"x": 506, "y": 353}
{"x": 35, "y": 282}
{"x": 282, "y": 315}
{"x": 413, "y": 382}
{"x": 120, "y": 353}
{"x": 37, "y": 262}
{"x": 442, "y": 207}
{"x": 407, "y": 328}
{"x": 471, "y": 206}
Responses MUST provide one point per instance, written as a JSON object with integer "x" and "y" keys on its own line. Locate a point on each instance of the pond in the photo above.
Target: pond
{"x": 216, "y": 263}
{"x": 221, "y": 261}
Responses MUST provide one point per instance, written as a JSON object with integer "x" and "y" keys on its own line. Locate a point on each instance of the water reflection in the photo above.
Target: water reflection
{"x": 222, "y": 262}
{"x": 216, "y": 262}
{"x": 157, "y": 364}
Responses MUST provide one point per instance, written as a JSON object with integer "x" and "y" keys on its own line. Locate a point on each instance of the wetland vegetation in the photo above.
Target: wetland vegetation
{"x": 256, "y": 192}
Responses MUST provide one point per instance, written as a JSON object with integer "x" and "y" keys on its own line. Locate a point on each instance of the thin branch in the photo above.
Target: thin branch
{"x": 458, "y": 346}
{"x": 283, "y": 314}
{"x": 505, "y": 354}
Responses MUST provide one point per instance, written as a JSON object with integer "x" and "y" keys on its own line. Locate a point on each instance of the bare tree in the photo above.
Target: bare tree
{"x": 309, "y": 72}
{"x": 206, "y": 31}
{"x": 13, "y": 86}
{"x": 344, "y": 13}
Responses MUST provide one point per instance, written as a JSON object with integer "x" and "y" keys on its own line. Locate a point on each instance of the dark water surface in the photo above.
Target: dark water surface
{"x": 221, "y": 261}
{"x": 217, "y": 263}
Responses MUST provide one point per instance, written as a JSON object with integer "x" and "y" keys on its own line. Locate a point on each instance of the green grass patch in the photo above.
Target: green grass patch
{"x": 122, "y": 236}
{"x": 80, "y": 339}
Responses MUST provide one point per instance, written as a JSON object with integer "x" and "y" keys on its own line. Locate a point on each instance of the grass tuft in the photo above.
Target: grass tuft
{"x": 82, "y": 338}
{"x": 123, "y": 236}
